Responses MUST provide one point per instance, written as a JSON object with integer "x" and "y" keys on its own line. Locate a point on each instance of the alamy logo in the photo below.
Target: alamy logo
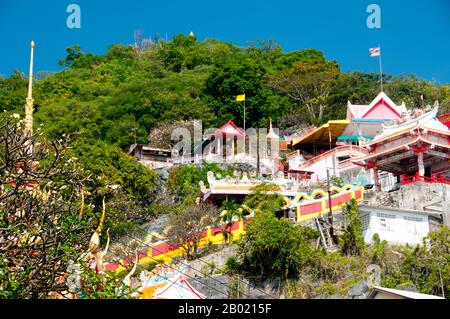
{"x": 374, "y": 278}
{"x": 374, "y": 19}
{"x": 73, "y": 21}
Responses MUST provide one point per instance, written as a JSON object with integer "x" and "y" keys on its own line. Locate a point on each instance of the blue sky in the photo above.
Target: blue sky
{"x": 414, "y": 35}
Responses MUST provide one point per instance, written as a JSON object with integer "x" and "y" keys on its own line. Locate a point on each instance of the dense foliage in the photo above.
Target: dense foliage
{"x": 352, "y": 240}
{"x": 108, "y": 96}
{"x": 184, "y": 180}
{"x": 274, "y": 246}
{"x": 107, "y": 102}
{"x": 127, "y": 186}
{"x": 264, "y": 199}
{"x": 42, "y": 228}
{"x": 111, "y": 101}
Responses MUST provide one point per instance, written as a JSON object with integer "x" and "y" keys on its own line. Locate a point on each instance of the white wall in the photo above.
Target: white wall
{"x": 387, "y": 181}
{"x": 295, "y": 162}
{"x": 393, "y": 226}
{"x": 320, "y": 167}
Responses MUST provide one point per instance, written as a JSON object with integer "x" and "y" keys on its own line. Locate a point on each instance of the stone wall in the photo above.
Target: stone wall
{"x": 218, "y": 258}
{"x": 224, "y": 286}
{"x": 417, "y": 196}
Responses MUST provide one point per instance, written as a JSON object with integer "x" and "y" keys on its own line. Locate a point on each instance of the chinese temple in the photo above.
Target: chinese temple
{"x": 333, "y": 145}
{"x": 417, "y": 144}
{"x": 366, "y": 120}
{"x": 445, "y": 119}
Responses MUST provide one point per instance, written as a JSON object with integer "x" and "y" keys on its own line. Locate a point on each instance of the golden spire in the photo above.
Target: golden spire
{"x": 29, "y": 99}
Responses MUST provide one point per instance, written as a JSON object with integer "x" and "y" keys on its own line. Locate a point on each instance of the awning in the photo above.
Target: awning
{"x": 321, "y": 135}
{"x": 353, "y": 138}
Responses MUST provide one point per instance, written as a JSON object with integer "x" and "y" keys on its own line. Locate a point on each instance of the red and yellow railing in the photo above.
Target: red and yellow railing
{"x": 406, "y": 180}
{"x": 315, "y": 208}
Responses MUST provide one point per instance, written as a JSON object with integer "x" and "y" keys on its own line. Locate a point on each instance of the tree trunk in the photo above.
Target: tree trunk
{"x": 321, "y": 108}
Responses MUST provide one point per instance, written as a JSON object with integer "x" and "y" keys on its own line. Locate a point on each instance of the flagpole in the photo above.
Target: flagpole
{"x": 244, "y": 123}
{"x": 381, "y": 70}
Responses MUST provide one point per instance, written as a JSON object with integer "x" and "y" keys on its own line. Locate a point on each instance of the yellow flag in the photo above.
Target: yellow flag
{"x": 240, "y": 97}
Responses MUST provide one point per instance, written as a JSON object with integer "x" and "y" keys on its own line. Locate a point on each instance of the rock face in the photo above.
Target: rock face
{"x": 157, "y": 225}
{"x": 213, "y": 287}
{"x": 163, "y": 173}
{"x": 220, "y": 286}
{"x": 358, "y": 291}
{"x": 417, "y": 196}
{"x": 408, "y": 288}
{"x": 266, "y": 289}
{"x": 218, "y": 258}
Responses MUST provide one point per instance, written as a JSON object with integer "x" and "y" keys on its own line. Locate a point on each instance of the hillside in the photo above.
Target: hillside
{"x": 105, "y": 103}
{"x": 111, "y": 101}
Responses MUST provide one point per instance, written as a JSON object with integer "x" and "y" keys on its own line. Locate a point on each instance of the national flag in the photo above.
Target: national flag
{"x": 240, "y": 97}
{"x": 374, "y": 51}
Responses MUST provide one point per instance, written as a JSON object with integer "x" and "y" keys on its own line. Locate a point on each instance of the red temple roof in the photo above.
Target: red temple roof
{"x": 382, "y": 107}
{"x": 230, "y": 129}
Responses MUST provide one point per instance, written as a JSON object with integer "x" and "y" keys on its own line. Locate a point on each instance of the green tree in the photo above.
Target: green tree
{"x": 309, "y": 83}
{"x": 352, "y": 240}
{"x": 41, "y": 227}
{"x": 274, "y": 246}
{"x": 73, "y": 53}
{"x": 184, "y": 179}
{"x": 230, "y": 213}
{"x": 187, "y": 225}
{"x": 264, "y": 198}
{"x": 13, "y": 91}
{"x": 129, "y": 187}
{"x": 236, "y": 75}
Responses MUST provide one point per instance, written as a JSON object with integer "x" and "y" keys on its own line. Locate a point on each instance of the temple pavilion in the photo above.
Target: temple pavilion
{"x": 416, "y": 146}
{"x": 366, "y": 120}
{"x": 333, "y": 145}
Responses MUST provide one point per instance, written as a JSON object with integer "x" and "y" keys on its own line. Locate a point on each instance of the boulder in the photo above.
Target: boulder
{"x": 358, "y": 290}
{"x": 407, "y": 288}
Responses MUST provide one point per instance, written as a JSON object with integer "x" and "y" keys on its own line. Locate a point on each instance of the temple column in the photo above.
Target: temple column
{"x": 376, "y": 179}
{"x": 420, "y": 163}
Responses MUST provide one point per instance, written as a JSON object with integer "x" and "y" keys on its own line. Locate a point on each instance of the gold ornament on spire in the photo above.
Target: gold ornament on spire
{"x": 29, "y": 105}
{"x": 94, "y": 243}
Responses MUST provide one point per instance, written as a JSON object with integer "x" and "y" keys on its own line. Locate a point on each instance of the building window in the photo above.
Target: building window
{"x": 365, "y": 220}
{"x": 386, "y": 221}
{"x": 412, "y": 224}
{"x": 413, "y": 219}
{"x": 383, "y": 215}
